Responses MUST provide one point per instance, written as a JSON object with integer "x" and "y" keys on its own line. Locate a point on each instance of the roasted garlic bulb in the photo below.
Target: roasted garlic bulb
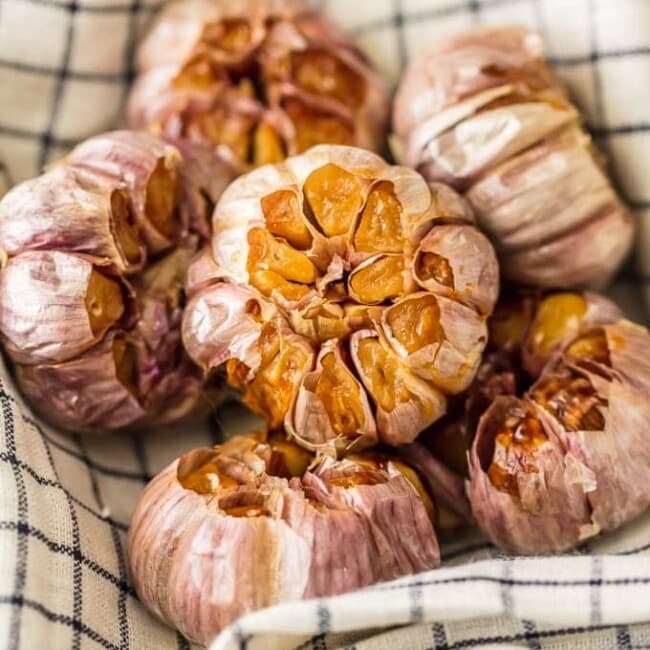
{"x": 263, "y": 79}
{"x": 525, "y": 332}
{"x": 570, "y": 459}
{"x": 484, "y": 113}
{"x": 91, "y": 294}
{"x": 345, "y": 297}
{"x": 257, "y": 521}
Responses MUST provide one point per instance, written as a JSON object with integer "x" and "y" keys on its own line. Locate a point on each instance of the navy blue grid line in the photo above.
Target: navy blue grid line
{"x": 122, "y": 621}
{"x": 103, "y": 469}
{"x": 318, "y": 642}
{"x": 93, "y": 8}
{"x": 131, "y": 46}
{"x": 636, "y": 549}
{"x": 59, "y": 87}
{"x": 439, "y": 634}
{"x": 519, "y": 582}
{"x": 594, "y": 56}
{"x": 521, "y": 636}
{"x": 41, "y": 480}
{"x": 140, "y": 455}
{"x": 77, "y": 626}
{"x": 424, "y": 15}
{"x": 623, "y": 129}
{"x": 4, "y": 172}
{"x": 531, "y": 630}
{"x": 25, "y": 134}
{"x": 400, "y": 35}
{"x": 595, "y": 597}
{"x": 65, "y": 549}
{"x": 623, "y": 640}
{"x": 77, "y": 583}
{"x": 20, "y": 573}
{"x": 49, "y": 71}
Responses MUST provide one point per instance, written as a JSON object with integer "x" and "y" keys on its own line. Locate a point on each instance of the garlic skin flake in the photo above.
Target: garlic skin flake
{"x": 483, "y": 112}
{"x": 260, "y": 80}
{"x": 92, "y": 293}
{"x": 222, "y": 532}
{"x": 310, "y": 253}
{"x": 569, "y": 459}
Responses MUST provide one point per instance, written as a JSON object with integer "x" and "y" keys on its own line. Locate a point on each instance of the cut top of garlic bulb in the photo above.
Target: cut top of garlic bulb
{"x": 347, "y": 297}
{"x": 257, "y": 521}
{"x": 260, "y": 79}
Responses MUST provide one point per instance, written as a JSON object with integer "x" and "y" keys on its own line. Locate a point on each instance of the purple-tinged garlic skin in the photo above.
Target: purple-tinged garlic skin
{"x": 550, "y": 514}
{"x": 590, "y": 473}
{"x": 131, "y": 158}
{"x": 446, "y": 487}
{"x": 218, "y": 324}
{"x": 404, "y": 420}
{"x": 311, "y": 423}
{"x": 484, "y": 113}
{"x": 67, "y": 210}
{"x": 299, "y": 80}
{"x": 85, "y": 392}
{"x": 205, "y": 551}
{"x": 457, "y": 72}
{"x": 526, "y": 332}
{"x": 43, "y": 311}
{"x": 346, "y": 254}
{"x": 92, "y": 287}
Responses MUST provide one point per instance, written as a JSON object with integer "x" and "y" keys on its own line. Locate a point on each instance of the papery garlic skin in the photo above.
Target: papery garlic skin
{"x": 526, "y": 331}
{"x": 149, "y": 167}
{"x": 44, "y": 310}
{"x": 299, "y": 80}
{"x": 68, "y": 210}
{"x": 483, "y": 112}
{"x": 91, "y": 295}
{"x": 587, "y": 470}
{"x": 321, "y": 265}
{"x": 215, "y": 535}
{"x": 84, "y": 393}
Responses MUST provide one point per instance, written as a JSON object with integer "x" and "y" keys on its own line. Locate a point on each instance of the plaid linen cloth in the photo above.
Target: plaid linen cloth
{"x": 66, "y": 500}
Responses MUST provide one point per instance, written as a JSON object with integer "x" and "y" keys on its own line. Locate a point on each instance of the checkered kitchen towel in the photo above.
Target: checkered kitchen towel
{"x": 65, "y": 501}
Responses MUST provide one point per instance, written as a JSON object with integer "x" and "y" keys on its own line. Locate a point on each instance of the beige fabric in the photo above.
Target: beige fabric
{"x": 66, "y": 500}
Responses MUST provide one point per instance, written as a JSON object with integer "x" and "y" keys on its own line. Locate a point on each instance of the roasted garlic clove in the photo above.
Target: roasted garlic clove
{"x": 71, "y": 211}
{"x": 261, "y": 80}
{"x": 441, "y": 340}
{"x": 220, "y": 532}
{"x": 331, "y": 404}
{"x": 567, "y": 461}
{"x": 484, "y": 113}
{"x": 559, "y": 317}
{"x": 526, "y": 331}
{"x": 404, "y": 403}
{"x": 71, "y": 236}
{"x": 54, "y": 305}
{"x": 311, "y": 251}
{"x": 450, "y": 261}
